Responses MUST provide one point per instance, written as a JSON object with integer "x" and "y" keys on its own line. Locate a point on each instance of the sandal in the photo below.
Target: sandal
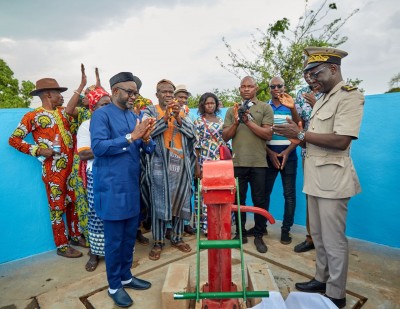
{"x": 91, "y": 265}
{"x": 181, "y": 246}
{"x": 155, "y": 252}
{"x": 81, "y": 242}
{"x": 69, "y": 252}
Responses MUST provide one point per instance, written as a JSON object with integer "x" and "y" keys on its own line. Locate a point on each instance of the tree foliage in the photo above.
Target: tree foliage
{"x": 227, "y": 97}
{"x": 278, "y": 50}
{"x": 355, "y": 83}
{"x": 394, "y": 83}
{"x": 12, "y": 95}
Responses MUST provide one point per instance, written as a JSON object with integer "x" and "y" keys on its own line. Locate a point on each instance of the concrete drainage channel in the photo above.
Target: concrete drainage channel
{"x": 358, "y": 300}
{"x": 88, "y": 305}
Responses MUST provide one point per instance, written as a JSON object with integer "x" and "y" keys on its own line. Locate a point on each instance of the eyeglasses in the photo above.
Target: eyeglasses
{"x": 315, "y": 74}
{"x": 274, "y": 86}
{"x": 131, "y": 93}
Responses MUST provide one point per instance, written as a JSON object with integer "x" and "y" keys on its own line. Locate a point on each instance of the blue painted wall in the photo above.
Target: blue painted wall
{"x": 24, "y": 215}
{"x": 373, "y": 214}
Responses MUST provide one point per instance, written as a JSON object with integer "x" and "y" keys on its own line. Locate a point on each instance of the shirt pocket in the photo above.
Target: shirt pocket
{"x": 323, "y": 122}
{"x": 324, "y": 114}
{"x": 330, "y": 172}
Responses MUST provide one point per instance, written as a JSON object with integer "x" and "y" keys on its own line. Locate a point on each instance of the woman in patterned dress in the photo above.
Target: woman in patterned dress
{"x": 97, "y": 98}
{"x": 208, "y": 128}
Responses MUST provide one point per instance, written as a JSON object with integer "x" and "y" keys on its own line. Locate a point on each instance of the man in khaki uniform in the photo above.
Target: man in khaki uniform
{"x": 329, "y": 175}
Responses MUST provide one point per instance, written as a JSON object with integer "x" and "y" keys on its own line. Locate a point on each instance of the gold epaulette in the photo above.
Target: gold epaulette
{"x": 348, "y": 88}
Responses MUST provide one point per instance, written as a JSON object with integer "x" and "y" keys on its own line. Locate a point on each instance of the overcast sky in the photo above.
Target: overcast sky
{"x": 178, "y": 40}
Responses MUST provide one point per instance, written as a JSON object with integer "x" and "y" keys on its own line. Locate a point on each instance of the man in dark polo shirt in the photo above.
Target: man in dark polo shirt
{"x": 249, "y": 131}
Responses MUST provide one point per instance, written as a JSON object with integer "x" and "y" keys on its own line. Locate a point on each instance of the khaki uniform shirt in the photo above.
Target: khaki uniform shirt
{"x": 329, "y": 173}
{"x": 249, "y": 150}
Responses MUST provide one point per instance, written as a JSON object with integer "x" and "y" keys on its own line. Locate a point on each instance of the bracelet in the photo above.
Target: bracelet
{"x": 76, "y": 92}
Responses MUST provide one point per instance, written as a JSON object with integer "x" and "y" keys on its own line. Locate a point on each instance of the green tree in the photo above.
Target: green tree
{"x": 11, "y": 94}
{"x": 394, "y": 83}
{"x": 355, "y": 83}
{"x": 226, "y": 96}
{"x": 278, "y": 51}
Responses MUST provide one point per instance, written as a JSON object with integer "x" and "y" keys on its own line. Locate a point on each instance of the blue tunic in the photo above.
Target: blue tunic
{"x": 116, "y": 167}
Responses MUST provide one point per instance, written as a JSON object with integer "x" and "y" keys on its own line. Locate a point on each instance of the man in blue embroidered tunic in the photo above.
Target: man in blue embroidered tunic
{"x": 116, "y": 138}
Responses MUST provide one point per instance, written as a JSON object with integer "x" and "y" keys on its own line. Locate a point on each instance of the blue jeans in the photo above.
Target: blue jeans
{"x": 288, "y": 175}
{"x": 255, "y": 176}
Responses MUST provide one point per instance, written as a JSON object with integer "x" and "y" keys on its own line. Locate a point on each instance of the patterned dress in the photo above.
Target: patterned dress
{"x": 95, "y": 225}
{"x": 44, "y": 125}
{"x": 208, "y": 140}
{"x": 81, "y": 202}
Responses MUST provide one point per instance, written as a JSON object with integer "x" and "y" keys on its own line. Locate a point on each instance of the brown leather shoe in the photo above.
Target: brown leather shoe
{"x": 69, "y": 253}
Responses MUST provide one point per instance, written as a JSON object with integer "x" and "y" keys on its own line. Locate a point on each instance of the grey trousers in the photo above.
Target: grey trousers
{"x": 328, "y": 226}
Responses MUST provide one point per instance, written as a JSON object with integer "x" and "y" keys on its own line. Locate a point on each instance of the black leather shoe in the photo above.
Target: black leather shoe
{"x": 339, "y": 302}
{"x": 312, "y": 286}
{"x": 189, "y": 230}
{"x": 285, "y": 238}
{"x": 260, "y": 245}
{"x": 304, "y": 247}
{"x": 121, "y": 298}
{"x": 244, "y": 238}
{"x": 141, "y": 238}
{"x": 250, "y": 232}
{"x": 168, "y": 233}
{"x": 137, "y": 284}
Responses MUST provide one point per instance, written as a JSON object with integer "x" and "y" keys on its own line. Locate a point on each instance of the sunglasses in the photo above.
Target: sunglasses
{"x": 131, "y": 93}
{"x": 274, "y": 86}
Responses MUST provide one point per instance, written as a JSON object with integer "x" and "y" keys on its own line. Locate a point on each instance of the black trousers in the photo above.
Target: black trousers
{"x": 255, "y": 177}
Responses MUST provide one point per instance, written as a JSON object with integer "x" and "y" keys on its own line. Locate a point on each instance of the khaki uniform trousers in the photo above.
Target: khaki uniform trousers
{"x": 328, "y": 225}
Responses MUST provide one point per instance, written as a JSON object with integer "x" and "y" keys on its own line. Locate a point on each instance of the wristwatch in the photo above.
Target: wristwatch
{"x": 129, "y": 138}
{"x": 301, "y": 135}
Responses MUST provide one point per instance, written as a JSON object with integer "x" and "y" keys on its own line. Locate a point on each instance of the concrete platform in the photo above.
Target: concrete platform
{"x": 50, "y": 281}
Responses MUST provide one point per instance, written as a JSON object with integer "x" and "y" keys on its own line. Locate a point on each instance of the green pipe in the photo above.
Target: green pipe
{"x": 241, "y": 243}
{"x": 219, "y": 244}
{"x": 222, "y": 295}
{"x": 199, "y": 203}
